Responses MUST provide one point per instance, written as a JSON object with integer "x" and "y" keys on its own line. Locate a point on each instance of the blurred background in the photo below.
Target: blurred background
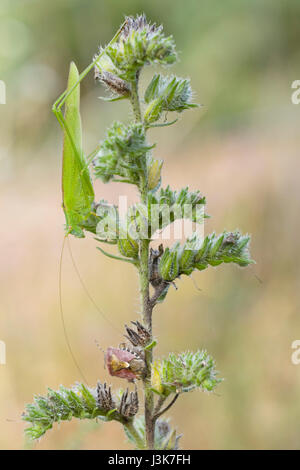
{"x": 241, "y": 149}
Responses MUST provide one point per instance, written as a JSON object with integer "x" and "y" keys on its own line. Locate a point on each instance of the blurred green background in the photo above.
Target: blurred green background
{"x": 241, "y": 149}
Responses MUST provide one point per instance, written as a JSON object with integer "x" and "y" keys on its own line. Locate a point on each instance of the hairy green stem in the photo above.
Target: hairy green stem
{"x": 134, "y": 98}
{"x": 157, "y": 415}
{"x": 144, "y": 286}
{"x": 147, "y": 320}
{"x": 119, "y": 258}
{"x": 135, "y": 434}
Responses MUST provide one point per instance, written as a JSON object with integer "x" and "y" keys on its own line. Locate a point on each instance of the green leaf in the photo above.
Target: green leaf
{"x": 140, "y": 43}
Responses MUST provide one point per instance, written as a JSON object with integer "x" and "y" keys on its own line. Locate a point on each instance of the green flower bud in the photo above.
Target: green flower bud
{"x": 153, "y": 111}
{"x": 156, "y": 384}
{"x": 128, "y": 247}
{"x": 104, "y": 65}
{"x": 151, "y": 91}
{"x": 154, "y": 174}
{"x": 215, "y": 248}
{"x": 202, "y": 252}
{"x": 79, "y": 401}
{"x": 168, "y": 265}
{"x": 187, "y": 255}
{"x": 177, "y": 202}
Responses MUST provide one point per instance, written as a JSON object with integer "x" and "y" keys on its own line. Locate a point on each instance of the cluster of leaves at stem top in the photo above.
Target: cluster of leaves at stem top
{"x": 121, "y": 154}
{"x": 139, "y": 44}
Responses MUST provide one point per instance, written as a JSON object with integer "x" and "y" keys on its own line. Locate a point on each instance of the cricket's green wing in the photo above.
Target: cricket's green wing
{"x": 77, "y": 188}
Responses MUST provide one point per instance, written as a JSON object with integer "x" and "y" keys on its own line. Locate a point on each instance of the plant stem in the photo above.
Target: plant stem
{"x": 147, "y": 320}
{"x": 156, "y": 416}
{"x": 135, "y": 99}
{"x": 144, "y": 286}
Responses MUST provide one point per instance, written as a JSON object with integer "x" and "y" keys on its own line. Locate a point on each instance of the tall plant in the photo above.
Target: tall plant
{"x": 125, "y": 155}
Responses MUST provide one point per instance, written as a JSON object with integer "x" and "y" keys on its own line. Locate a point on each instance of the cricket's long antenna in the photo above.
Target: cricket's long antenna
{"x": 257, "y": 277}
{"x": 62, "y": 313}
{"x": 195, "y": 284}
{"x": 88, "y": 293}
{"x": 62, "y": 98}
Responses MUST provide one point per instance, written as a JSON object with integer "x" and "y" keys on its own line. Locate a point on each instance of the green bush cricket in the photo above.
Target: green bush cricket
{"x": 77, "y": 188}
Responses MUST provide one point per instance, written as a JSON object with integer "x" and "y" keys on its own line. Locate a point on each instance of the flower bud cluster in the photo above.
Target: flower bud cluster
{"x": 121, "y": 153}
{"x": 167, "y": 94}
{"x": 229, "y": 247}
{"x": 183, "y": 372}
{"x": 140, "y": 43}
